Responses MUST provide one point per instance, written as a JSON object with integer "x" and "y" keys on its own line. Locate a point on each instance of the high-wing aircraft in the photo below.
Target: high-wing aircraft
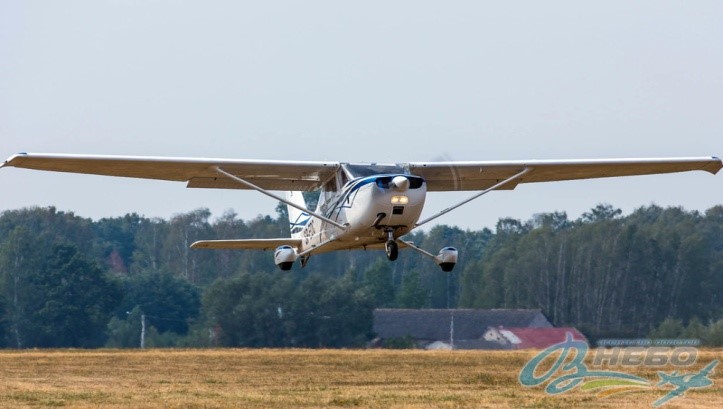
{"x": 361, "y": 206}
{"x": 684, "y": 382}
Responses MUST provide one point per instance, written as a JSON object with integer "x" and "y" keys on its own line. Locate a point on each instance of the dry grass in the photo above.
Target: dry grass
{"x": 302, "y": 378}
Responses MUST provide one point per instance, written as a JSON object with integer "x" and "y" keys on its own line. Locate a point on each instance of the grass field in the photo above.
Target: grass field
{"x": 247, "y": 378}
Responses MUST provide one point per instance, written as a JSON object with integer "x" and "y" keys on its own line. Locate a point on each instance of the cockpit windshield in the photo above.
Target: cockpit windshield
{"x": 363, "y": 170}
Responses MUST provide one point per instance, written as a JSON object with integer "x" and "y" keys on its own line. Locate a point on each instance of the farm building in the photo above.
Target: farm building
{"x": 462, "y": 328}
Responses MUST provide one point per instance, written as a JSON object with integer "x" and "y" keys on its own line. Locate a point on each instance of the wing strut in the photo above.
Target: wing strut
{"x": 277, "y": 197}
{"x": 307, "y": 252}
{"x": 413, "y": 246}
{"x": 449, "y": 209}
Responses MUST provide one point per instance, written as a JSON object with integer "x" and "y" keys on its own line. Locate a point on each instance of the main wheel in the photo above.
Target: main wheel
{"x": 392, "y": 250}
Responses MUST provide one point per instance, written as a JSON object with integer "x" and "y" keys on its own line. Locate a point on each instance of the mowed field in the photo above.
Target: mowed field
{"x": 258, "y": 378}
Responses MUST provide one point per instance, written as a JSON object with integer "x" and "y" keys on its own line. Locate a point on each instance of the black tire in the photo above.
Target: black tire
{"x": 392, "y": 250}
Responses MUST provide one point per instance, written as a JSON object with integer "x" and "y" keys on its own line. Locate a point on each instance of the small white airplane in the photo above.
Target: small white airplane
{"x": 361, "y": 206}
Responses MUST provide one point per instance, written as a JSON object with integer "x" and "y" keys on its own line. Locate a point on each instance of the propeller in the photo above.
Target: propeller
{"x": 456, "y": 180}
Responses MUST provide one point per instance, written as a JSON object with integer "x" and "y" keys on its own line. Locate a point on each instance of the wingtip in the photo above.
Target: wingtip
{"x": 14, "y": 157}
{"x": 717, "y": 165}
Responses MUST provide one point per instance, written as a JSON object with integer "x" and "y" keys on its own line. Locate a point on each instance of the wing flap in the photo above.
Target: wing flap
{"x": 269, "y": 184}
{"x": 446, "y": 176}
{"x": 247, "y": 244}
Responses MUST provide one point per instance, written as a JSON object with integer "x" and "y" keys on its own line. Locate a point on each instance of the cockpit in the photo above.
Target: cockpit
{"x": 354, "y": 171}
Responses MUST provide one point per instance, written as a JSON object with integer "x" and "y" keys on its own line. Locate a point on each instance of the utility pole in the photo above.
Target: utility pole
{"x": 451, "y": 329}
{"x": 143, "y": 331}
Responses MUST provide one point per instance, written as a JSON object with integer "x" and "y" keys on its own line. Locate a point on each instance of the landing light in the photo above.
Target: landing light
{"x": 400, "y": 200}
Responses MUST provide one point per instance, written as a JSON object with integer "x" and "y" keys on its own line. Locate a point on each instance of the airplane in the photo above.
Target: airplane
{"x": 684, "y": 382}
{"x": 361, "y": 205}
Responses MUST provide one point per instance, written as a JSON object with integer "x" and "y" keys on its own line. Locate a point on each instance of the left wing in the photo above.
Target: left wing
{"x": 448, "y": 176}
{"x": 246, "y": 244}
{"x": 268, "y": 174}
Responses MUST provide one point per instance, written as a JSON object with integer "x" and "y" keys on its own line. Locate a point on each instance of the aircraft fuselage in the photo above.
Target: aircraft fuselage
{"x": 370, "y": 207}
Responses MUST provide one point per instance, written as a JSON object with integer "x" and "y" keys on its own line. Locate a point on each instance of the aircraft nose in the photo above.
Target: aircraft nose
{"x": 399, "y": 183}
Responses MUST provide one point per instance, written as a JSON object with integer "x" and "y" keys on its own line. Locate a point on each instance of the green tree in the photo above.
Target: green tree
{"x": 695, "y": 330}
{"x": 149, "y": 245}
{"x": 669, "y": 328}
{"x": 714, "y": 337}
{"x": 116, "y": 240}
{"x": 412, "y": 294}
{"x": 125, "y": 333}
{"x": 169, "y": 302}
{"x": 184, "y": 230}
{"x": 346, "y": 312}
{"x": 20, "y": 257}
{"x": 248, "y": 310}
{"x": 269, "y": 310}
{"x": 602, "y": 211}
{"x": 73, "y": 300}
{"x": 378, "y": 280}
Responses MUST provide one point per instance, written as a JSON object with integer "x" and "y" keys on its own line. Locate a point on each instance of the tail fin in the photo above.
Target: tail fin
{"x": 297, "y": 219}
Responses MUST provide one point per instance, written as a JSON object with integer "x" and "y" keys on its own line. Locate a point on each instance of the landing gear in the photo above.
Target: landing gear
{"x": 446, "y": 259}
{"x": 392, "y": 250}
{"x": 391, "y": 245}
{"x": 304, "y": 260}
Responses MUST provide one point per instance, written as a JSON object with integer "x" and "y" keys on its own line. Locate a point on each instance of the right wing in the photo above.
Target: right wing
{"x": 198, "y": 172}
{"x": 246, "y": 244}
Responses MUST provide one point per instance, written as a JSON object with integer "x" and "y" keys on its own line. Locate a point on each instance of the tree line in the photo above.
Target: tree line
{"x": 69, "y": 281}
{"x": 606, "y": 274}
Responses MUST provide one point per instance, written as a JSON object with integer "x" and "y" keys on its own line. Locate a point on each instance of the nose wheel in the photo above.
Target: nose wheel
{"x": 392, "y": 249}
{"x": 391, "y": 245}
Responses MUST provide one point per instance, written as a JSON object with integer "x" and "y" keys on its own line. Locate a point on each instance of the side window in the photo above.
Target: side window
{"x": 330, "y": 186}
{"x": 329, "y": 189}
{"x": 343, "y": 178}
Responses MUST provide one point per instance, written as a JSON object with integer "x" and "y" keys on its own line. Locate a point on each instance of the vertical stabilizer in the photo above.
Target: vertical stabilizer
{"x": 297, "y": 219}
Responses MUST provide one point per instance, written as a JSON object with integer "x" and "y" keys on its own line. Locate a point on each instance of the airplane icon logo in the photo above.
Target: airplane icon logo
{"x": 684, "y": 382}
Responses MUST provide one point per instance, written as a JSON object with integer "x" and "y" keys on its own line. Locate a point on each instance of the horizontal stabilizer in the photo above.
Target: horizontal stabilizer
{"x": 246, "y": 244}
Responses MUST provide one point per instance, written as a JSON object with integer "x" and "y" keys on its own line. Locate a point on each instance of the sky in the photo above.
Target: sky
{"x": 373, "y": 81}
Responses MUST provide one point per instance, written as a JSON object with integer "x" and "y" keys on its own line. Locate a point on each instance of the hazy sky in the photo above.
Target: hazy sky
{"x": 386, "y": 81}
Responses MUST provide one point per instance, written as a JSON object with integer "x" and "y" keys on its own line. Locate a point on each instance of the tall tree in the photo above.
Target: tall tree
{"x": 184, "y": 230}
{"x": 20, "y": 257}
{"x": 169, "y": 302}
{"x": 411, "y": 293}
{"x": 378, "y": 280}
{"x": 72, "y": 301}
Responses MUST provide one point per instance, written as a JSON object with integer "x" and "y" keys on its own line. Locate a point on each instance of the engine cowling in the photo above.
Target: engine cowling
{"x": 447, "y": 258}
{"x": 284, "y": 257}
